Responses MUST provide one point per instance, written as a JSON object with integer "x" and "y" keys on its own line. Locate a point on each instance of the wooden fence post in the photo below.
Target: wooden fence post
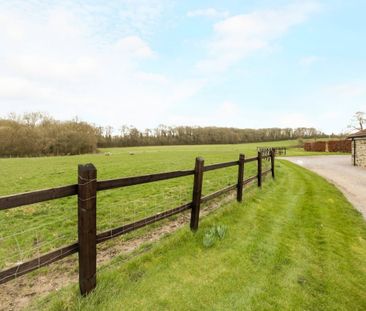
{"x": 273, "y": 155}
{"x": 87, "y": 201}
{"x": 197, "y": 192}
{"x": 259, "y": 169}
{"x": 239, "y": 193}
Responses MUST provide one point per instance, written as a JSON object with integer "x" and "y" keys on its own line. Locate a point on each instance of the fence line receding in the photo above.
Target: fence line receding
{"x": 86, "y": 189}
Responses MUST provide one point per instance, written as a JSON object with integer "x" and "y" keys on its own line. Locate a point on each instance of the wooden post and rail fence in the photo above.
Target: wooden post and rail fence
{"x": 86, "y": 189}
{"x": 279, "y": 151}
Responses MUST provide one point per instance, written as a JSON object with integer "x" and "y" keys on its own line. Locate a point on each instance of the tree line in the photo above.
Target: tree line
{"x": 36, "y": 134}
{"x": 196, "y": 135}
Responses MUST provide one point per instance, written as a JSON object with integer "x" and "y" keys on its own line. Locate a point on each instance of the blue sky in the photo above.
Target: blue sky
{"x": 224, "y": 63}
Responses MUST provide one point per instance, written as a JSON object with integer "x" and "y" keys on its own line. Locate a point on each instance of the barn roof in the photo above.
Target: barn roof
{"x": 359, "y": 134}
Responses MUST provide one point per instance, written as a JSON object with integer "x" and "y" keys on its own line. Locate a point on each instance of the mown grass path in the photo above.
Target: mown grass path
{"x": 297, "y": 244}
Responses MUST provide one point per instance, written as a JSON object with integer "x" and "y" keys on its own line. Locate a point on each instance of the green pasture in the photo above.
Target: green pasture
{"x": 296, "y": 244}
{"x": 29, "y": 231}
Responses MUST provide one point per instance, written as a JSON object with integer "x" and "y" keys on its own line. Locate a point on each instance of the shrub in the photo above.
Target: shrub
{"x": 340, "y": 146}
{"x": 329, "y": 146}
{"x": 212, "y": 234}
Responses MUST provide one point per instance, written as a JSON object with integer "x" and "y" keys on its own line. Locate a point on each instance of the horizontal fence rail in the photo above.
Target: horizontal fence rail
{"x": 39, "y": 262}
{"x": 86, "y": 190}
{"x": 37, "y": 196}
{"x": 109, "y": 234}
{"x": 131, "y": 181}
{"x": 219, "y": 165}
{"x": 217, "y": 193}
{"x": 251, "y": 160}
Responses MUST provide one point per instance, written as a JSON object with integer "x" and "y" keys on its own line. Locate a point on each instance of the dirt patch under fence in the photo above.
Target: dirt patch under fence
{"x": 18, "y": 293}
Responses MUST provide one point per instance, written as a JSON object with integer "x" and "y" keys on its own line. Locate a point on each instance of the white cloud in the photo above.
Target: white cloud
{"x": 210, "y": 12}
{"x": 328, "y": 108}
{"x": 309, "y": 60}
{"x": 338, "y": 102}
{"x": 134, "y": 46}
{"x": 348, "y": 90}
{"x": 11, "y": 30}
{"x": 72, "y": 60}
{"x": 19, "y": 88}
{"x": 294, "y": 120}
{"x": 238, "y": 36}
{"x": 141, "y": 15}
{"x": 53, "y": 59}
{"x": 227, "y": 110}
{"x": 226, "y": 114}
{"x": 46, "y": 67}
{"x": 151, "y": 77}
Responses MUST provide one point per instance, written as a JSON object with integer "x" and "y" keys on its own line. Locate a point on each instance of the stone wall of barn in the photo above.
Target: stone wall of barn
{"x": 360, "y": 152}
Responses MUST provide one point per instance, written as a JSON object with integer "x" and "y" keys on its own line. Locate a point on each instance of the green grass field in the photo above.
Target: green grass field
{"x": 29, "y": 231}
{"x": 297, "y": 244}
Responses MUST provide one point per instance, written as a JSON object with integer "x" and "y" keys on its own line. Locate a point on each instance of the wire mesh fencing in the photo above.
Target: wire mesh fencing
{"x": 35, "y": 235}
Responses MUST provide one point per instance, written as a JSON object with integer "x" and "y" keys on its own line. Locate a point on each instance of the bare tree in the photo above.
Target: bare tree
{"x": 358, "y": 121}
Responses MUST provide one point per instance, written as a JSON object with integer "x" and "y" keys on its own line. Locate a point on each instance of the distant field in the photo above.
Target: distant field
{"x": 31, "y": 230}
{"x": 297, "y": 244}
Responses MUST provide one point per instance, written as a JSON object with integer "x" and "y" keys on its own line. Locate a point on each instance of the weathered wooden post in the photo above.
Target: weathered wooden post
{"x": 197, "y": 192}
{"x": 87, "y": 229}
{"x": 259, "y": 169}
{"x": 239, "y": 193}
{"x": 273, "y": 155}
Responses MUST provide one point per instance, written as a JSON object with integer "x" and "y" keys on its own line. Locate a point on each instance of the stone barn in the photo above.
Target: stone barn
{"x": 358, "y": 148}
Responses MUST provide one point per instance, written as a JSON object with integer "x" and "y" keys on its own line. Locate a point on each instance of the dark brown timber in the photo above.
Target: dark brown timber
{"x": 37, "y": 196}
{"x": 259, "y": 169}
{"x": 39, "y": 262}
{"x": 87, "y": 228}
{"x": 109, "y": 234}
{"x": 87, "y": 188}
{"x": 219, "y": 165}
{"x": 250, "y": 179}
{"x": 251, "y": 160}
{"x": 239, "y": 193}
{"x": 217, "y": 193}
{"x": 130, "y": 181}
{"x": 197, "y": 192}
{"x": 273, "y": 155}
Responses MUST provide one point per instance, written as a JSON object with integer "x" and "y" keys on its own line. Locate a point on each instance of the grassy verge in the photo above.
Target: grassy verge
{"x": 297, "y": 244}
{"x": 297, "y": 152}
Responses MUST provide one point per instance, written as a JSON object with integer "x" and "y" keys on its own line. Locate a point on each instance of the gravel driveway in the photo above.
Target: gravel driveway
{"x": 338, "y": 170}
